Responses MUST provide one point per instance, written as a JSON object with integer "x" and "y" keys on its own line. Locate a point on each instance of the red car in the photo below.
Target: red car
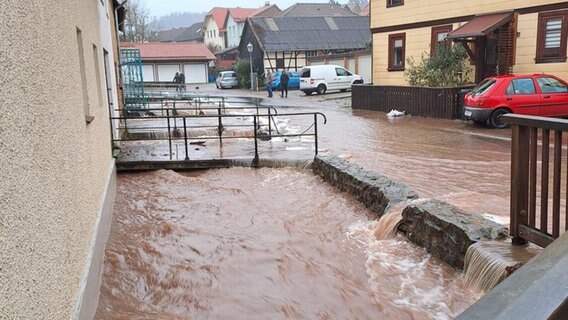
{"x": 536, "y": 95}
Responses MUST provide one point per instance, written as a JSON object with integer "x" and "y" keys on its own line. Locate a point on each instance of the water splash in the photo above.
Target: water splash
{"x": 388, "y": 224}
{"x": 488, "y": 263}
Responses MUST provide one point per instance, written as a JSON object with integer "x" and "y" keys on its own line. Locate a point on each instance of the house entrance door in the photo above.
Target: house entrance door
{"x": 495, "y": 53}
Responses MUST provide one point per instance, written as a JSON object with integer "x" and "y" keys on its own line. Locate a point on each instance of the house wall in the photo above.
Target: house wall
{"x": 57, "y": 183}
{"x": 418, "y": 37}
{"x": 234, "y": 31}
{"x": 419, "y": 10}
{"x": 290, "y": 63}
{"x": 212, "y": 41}
{"x": 526, "y": 50}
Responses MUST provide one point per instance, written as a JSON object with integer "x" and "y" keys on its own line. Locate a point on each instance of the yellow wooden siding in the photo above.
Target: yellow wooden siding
{"x": 419, "y": 10}
{"x": 417, "y": 43}
{"x": 526, "y": 50}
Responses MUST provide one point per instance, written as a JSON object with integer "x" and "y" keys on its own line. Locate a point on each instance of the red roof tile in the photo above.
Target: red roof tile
{"x": 219, "y": 15}
{"x": 240, "y": 14}
{"x": 152, "y": 51}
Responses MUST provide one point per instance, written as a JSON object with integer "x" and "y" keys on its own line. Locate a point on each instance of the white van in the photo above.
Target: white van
{"x": 327, "y": 77}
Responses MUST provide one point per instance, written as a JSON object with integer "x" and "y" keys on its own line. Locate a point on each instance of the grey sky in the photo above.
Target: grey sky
{"x": 163, "y": 7}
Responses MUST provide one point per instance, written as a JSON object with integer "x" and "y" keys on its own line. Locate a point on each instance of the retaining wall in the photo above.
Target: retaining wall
{"x": 445, "y": 231}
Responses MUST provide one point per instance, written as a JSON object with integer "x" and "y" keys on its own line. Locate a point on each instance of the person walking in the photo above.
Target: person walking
{"x": 284, "y": 78}
{"x": 182, "y": 81}
{"x": 268, "y": 82}
{"x": 177, "y": 81}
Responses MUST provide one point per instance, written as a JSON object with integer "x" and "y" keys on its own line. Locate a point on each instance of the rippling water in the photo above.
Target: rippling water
{"x": 262, "y": 244}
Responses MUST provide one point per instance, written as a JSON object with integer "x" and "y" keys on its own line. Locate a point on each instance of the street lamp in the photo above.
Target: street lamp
{"x": 249, "y": 48}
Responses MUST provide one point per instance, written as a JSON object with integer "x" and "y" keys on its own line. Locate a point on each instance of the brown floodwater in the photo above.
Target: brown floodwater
{"x": 245, "y": 243}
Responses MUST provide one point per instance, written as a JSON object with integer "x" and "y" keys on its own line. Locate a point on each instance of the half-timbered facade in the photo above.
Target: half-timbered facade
{"x": 285, "y": 42}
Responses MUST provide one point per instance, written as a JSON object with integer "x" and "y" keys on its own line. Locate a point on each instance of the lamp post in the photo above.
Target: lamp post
{"x": 249, "y": 48}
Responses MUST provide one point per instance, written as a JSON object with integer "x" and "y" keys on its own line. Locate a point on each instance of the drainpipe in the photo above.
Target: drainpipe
{"x": 118, "y": 48}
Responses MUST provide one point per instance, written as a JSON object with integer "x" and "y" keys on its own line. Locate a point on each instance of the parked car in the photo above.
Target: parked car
{"x": 227, "y": 79}
{"x": 536, "y": 94}
{"x": 322, "y": 78}
{"x": 293, "y": 82}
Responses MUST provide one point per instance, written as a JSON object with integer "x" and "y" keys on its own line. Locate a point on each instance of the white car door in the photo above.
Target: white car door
{"x": 343, "y": 79}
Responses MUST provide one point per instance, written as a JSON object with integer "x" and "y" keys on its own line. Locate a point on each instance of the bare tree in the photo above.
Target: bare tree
{"x": 138, "y": 25}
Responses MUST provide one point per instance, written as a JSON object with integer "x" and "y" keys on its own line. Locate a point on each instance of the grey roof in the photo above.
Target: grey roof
{"x": 192, "y": 33}
{"x": 316, "y": 10}
{"x": 311, "y": 33}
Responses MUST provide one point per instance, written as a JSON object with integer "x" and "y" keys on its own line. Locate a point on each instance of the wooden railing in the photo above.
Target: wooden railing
{"x": 538, "y": 214}
{"x": 443, "y": 103}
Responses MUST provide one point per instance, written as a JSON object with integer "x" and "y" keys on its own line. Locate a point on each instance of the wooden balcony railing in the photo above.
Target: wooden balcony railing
{"x": 539, "y": 179}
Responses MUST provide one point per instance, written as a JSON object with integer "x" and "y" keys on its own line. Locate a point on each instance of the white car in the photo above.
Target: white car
{"x": 327, "y": 77}
{"x": 227, "y": 79}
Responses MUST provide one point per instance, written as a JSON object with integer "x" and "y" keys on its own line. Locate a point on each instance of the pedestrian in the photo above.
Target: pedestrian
{"x": 268, "y": 82}
{"x": 284, "y": 83}
{"x": 177, "y": 81}
{"x": 182, "y": 81}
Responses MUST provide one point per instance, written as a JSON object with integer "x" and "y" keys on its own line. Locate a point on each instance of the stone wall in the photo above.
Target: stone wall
{"x": 375, "y": 191}
{"x": 444, "y": 230}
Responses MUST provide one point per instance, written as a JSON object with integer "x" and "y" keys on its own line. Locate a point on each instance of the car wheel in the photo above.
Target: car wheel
{"x": 307, "y": 92}
{"x": 494, "y": 120}
{"x": 217, "y": 85}
{"x": 343, "y": 90}
{"x": 321, "y": 89}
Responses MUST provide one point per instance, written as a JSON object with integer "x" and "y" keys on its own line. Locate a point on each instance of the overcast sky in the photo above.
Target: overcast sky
{"x": 162, "y": 7}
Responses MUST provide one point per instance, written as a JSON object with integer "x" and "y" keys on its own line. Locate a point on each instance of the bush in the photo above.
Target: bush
{"x": 242, "y": 68}
{"x": 446, "y": 68}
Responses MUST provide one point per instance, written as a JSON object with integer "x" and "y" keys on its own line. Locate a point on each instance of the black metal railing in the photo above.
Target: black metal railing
{"x": 184, "y": 120}
{"x": 536, "y": 213}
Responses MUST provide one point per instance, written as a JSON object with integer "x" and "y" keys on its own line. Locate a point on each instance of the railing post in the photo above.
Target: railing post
{"x": 269, "y": 123}
{"x": 220, "y": 128}
{"x": 255, "y": 141}
{"x": 316, "y": 131}
{"x": 185, "y": 138}
{"x": 519, "y": 181}
{"x": 169, "y": 132}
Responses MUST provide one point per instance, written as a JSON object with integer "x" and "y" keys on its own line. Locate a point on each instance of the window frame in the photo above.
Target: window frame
{"x": 391, "y": 47}
{"x": 434, "y": 36}
{"x": 543, "y": 17}
{"x": 390, "y": 4}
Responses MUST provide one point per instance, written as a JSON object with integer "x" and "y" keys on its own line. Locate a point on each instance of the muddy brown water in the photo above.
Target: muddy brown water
{"x": 247, "y": 243}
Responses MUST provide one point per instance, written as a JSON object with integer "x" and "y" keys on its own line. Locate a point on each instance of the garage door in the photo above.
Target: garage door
{"x": 337, "y": 62}
{"x": 148, "y": 72}
{"x": 195, "y": 73}
{"x": 351, "y": 66}
{"x": 167, "y": 72}
{"x": 365, "y": 68}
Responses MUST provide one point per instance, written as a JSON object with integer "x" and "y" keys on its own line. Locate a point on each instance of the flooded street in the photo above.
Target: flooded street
{"x": 242, "y": 243}
{"x": 280, "y": 243}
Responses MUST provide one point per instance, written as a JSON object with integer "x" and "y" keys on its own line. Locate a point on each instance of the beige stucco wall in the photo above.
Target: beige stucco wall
{"x": 420, "y": 10}
{"x": 54, "y": 166}
{"x": 217, "y": 40}
{"x": 526, "y": 50}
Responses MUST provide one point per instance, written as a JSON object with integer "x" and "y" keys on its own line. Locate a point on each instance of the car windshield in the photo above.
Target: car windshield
{"x": 483, "y": 87}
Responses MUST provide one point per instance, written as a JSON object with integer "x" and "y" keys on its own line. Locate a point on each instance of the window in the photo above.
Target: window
{"x": 396, "y": 51}
{"x": 340, "y": 72}
{"x": 483, "y": 87}
{"x": 521, "y": 86}
{"x": 394, "y": 3}
{"x": 439, "y": 35}
{"x": 551, "y": 37}
{"x": 551, "y": 85}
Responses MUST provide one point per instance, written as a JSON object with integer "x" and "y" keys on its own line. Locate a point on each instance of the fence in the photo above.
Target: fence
{"x": 444, "y": 103}
{"x": 190, "y": 122}
{"x": 531, "y": 219}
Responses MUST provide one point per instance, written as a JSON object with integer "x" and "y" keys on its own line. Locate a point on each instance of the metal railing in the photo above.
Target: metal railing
{"x": 185, "y": 120}
{"x": 531, "y": 199}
